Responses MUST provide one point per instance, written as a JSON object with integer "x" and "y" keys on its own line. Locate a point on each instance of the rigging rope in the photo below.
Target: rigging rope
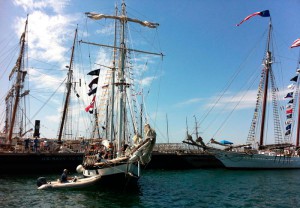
{"x": 48, "y": 100}
{"x": 237, "y": 72}
{"x": 224, "y": 122}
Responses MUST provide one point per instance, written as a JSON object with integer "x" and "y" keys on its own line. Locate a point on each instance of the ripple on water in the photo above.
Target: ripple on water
{"x": 187, "y": 188}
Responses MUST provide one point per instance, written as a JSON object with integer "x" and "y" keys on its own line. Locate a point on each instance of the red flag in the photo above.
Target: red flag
{"x": 265, "y": 13}
{"x": 289, "y": 111}
{"x": 296, "y": 43}
{"x": 91, "y": 105}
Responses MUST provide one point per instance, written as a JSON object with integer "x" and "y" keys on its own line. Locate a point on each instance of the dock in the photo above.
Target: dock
{"x": 176, "y": 156}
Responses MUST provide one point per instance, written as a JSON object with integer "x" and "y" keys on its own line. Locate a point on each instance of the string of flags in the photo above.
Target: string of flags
{"x": 92, "y": 90}
{"x": 290, "y": 105}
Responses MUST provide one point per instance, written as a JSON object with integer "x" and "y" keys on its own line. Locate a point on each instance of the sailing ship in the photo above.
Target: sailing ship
{"x": 118, "y": 158}
{"x": 15, "y": 155}
{"x": 283, "y": 154}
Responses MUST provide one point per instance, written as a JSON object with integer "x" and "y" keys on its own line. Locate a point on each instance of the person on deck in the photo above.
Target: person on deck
{"x": 64, "y": 176}
{"x": 36, "y": 141}
{"x": 27, "y": 144}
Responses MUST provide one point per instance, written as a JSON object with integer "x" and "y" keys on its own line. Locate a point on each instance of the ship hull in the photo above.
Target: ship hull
{"x": 121, "y": 174}
{"x": 177, "y": 161}
{"x": 240, "y": 160}
{"x": 23, "y": 163}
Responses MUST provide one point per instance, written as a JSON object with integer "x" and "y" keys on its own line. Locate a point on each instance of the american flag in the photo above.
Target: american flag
{"x": 296, "y": 43}
{"x": 264, "y": 13}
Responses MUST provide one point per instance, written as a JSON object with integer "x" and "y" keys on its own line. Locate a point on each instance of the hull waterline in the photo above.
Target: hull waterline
{"x": 237, "y": 160}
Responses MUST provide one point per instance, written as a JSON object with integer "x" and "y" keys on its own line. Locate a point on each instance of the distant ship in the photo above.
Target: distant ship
{"x": 284, "y": 154}
{"x": 20, "y": 155}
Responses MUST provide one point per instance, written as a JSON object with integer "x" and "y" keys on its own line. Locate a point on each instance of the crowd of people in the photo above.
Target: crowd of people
{"x": 36, "y": 145}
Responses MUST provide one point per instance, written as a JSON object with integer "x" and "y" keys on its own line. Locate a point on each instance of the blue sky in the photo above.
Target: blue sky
{"x": 203, "y": 47}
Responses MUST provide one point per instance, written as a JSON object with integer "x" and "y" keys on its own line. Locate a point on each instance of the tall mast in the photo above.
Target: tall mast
{"x": 113, "y": 82}
{"x": 267, "y": 68}
{"x": 121, "y": 80}
{"x": 69, "y": 84}
{"x": 18, "y": 83}
{"x": 298, "y": 122}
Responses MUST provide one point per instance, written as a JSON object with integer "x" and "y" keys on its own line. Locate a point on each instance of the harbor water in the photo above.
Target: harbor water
{"x": 159, "y": 188}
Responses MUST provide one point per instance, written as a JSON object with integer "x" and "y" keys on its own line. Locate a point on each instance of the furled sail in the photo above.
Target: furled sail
{"x": 96, "y": 16}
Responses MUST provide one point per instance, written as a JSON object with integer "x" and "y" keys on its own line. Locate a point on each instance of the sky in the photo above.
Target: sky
{"x": 210, "y": 70}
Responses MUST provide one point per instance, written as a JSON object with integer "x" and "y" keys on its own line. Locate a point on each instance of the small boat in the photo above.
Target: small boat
{"x": 73, "y": 183}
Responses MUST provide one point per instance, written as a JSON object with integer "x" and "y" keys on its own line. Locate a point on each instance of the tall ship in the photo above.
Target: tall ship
{"x": 256, "y": 153}
{"x": 127, "y": 138}
{"x": 22, "y": 150}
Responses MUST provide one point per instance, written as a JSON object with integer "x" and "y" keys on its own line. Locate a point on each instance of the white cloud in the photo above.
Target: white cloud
{"x": 47, "y": 35}
{"x": 147, "y": 81}
{"x": 241, "y": 100}
{"x": 188, "y": 102}
{"x": 30, "y": 5}
{"x": 54, "y": 118}
{"x": 108, "y": 30}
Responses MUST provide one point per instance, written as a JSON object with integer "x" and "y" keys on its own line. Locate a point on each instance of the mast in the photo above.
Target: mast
{"x": 106, "y": 121}
{"x": 18, "y": 84}
{"x": 167, "y": 129}
{"x": 69, "y": 84}
{"x": 298, "y": 122}
{"x": 187, "y": 128}
{"x": 121, "y": 81}
{"x": 96, "y": 127}
{"x": 141, "y": 118}
{"x": 113, "y": 82}
{"x": 267, "y": 68}
{"x": 196, "y": 127}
